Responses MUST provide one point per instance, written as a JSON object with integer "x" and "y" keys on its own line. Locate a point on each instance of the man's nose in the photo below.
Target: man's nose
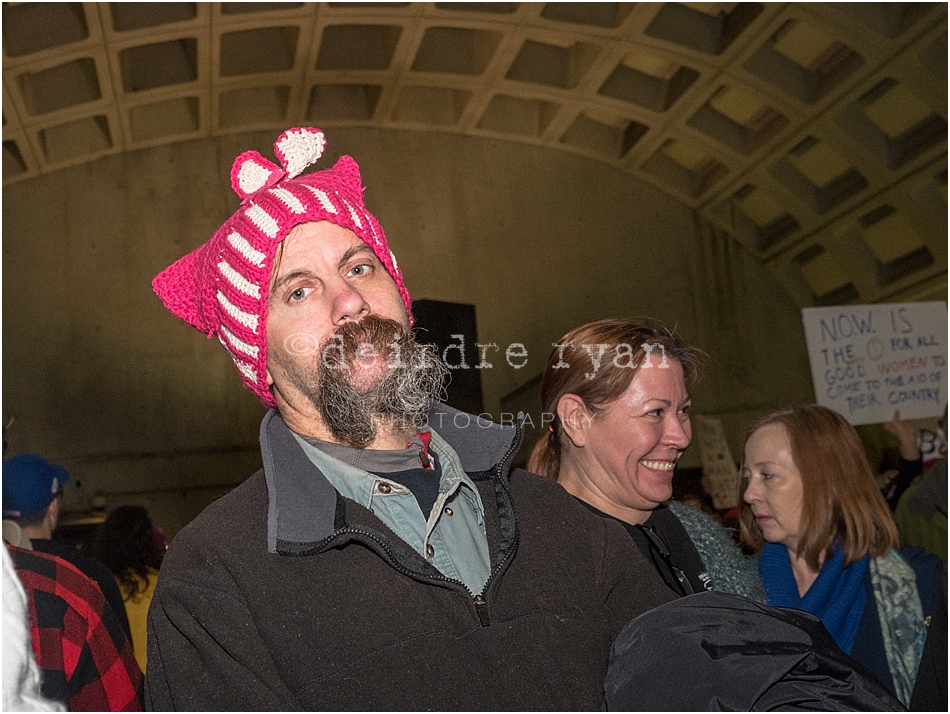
{"x": 348, "y": 304}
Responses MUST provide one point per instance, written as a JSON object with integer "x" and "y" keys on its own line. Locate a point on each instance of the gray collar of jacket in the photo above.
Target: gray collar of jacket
{"x": 301, "y": 502}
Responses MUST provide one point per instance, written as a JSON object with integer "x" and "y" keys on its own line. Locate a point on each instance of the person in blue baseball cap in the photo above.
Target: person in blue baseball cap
{"x": 31, "y": 486}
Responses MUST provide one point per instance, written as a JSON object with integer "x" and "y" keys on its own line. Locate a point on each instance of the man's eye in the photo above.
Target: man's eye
{"x": 298, "y": 294}
{"x": 361, "y": 269}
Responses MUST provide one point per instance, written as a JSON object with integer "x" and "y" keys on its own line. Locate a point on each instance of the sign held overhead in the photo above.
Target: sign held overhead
{"x": 868, "y": 360}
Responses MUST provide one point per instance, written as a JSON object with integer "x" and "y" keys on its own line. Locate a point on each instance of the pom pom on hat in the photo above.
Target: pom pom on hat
{"x": 221, "y": 288}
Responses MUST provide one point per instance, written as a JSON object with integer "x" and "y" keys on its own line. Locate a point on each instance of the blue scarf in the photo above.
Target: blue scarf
{"x": 837, "y": 596}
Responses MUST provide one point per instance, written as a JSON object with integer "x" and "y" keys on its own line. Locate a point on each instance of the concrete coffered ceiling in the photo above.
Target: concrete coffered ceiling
{"x": 814, "y": 133}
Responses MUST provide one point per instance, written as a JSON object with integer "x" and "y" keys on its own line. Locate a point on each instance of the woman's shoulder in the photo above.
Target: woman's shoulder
{"x": 929, "y": 569}
{"x": 731, "y": 571}
{"x": 920, "y": 559}
{"x": 694, "y": 521}
{"x": 543, "y": 503}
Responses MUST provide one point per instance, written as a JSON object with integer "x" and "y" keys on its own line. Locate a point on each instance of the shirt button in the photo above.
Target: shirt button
{"x": 384, "y": 488}
{"x": 448, "y": 511}
{"x": 430, "y": 551}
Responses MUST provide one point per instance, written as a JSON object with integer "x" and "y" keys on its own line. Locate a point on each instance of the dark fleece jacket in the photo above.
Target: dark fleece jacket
{"x": 275, "y": 599}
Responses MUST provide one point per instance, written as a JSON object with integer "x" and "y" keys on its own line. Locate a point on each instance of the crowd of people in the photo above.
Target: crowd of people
{"x": 389, "y": 556}
{"x": 74, "y": 622}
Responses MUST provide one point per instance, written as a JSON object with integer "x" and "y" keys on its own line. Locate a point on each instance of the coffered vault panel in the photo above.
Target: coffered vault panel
{"x": 815, "y": 133}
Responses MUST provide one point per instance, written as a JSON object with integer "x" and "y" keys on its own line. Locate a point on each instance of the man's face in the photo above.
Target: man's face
{"x": 325, "y": 277}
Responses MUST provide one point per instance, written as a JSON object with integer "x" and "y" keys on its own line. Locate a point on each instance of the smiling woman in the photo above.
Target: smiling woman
{"x": 618, "y": 390}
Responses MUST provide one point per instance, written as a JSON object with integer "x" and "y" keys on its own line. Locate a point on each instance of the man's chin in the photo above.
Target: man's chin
{"x": 366, "y": 376}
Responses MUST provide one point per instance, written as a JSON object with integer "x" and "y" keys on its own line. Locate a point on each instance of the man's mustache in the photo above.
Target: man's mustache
{"x": 354, "y": 404}
{"x": 377, "y": 336}
{"x": 363, "y": 342}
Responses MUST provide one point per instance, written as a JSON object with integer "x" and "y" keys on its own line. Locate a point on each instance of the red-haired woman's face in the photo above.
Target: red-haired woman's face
{"x": 773, "y": 485}
{"x": 632, "y": 446}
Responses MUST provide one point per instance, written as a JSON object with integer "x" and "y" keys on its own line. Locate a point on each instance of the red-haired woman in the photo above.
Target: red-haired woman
{"x": 616, "y": 390}
{"x": 828, "y": 545}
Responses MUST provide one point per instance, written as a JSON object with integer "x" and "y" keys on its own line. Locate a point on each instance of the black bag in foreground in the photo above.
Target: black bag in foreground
{"x": 719, "y": 652}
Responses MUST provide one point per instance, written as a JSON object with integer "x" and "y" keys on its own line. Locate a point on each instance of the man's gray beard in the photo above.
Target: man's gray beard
{"x": 398, "y": 401}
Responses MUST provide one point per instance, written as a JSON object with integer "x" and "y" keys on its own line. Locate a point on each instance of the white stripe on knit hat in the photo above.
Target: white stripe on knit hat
{"x": 372, "y": 228}
{"x": 323, "y": 198}
{"x": 239, "y": 344}
{"x": 244, "y": 369}
{"x": 356, "y": 219}
{"x": 245, "y": 318}
{"x": 239, "y": 281}
{"x": 240, "y": 244}
{"x": 263, "y": 220}
{"x": 289, "y": 200}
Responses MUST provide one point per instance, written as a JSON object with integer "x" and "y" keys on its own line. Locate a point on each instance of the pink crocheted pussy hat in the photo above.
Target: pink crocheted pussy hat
{"x": 221, "y": 288}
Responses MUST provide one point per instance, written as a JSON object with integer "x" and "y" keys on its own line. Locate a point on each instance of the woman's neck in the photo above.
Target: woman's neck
{"x": 805, "y": 576}
{"x": 575, "y": 481}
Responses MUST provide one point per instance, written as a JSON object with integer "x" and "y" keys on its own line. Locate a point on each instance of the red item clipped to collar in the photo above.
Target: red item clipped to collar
{"x": 425, "y": 437}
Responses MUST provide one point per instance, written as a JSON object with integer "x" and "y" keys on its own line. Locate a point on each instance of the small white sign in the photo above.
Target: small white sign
{"x": 720, "y": 476}
{"x": 868, "y": 360}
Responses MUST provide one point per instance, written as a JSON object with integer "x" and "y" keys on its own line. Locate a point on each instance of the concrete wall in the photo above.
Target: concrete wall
{"x": 143, "y": 409}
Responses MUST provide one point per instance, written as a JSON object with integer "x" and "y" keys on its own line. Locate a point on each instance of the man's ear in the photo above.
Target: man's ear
{"x": 270, "y": 379}
{"x": 52, "y": 514}
{"x": 575, "y": 418}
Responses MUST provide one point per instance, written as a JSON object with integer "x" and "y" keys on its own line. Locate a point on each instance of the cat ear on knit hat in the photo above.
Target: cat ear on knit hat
{"x": 349, "y": 173}
{"x": 178, "y": 288}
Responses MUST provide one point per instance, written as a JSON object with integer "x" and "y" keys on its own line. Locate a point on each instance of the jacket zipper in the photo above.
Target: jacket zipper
{"x": 481, "y": 609}
{"x": 481, "y": 605}
{"x": 480, "y": 601}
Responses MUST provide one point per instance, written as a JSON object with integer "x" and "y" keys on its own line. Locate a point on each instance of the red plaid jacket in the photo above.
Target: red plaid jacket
{"x": 85, "y": 657}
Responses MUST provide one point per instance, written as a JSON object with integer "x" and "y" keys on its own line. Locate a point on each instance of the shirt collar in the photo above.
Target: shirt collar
{"x": 302, "y": 501}
{"x": 376, "y": 461}
{"x": 359, "y": 485}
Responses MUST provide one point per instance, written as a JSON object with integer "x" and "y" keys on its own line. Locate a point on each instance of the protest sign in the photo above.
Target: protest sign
{"x": 868, "y": 360}
{"x": 720, "y": 476}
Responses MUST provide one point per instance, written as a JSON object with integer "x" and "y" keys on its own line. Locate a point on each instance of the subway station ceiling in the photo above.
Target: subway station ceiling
{"x": 814, "y": 133}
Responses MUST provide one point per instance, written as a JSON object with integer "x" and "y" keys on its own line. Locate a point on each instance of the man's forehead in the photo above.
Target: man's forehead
{"x": 321, "y": 229}
{"x": 339, "y": 242}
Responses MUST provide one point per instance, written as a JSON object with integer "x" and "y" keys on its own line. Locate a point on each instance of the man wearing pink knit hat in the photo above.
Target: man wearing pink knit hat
{"x": 387, "y": 556}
